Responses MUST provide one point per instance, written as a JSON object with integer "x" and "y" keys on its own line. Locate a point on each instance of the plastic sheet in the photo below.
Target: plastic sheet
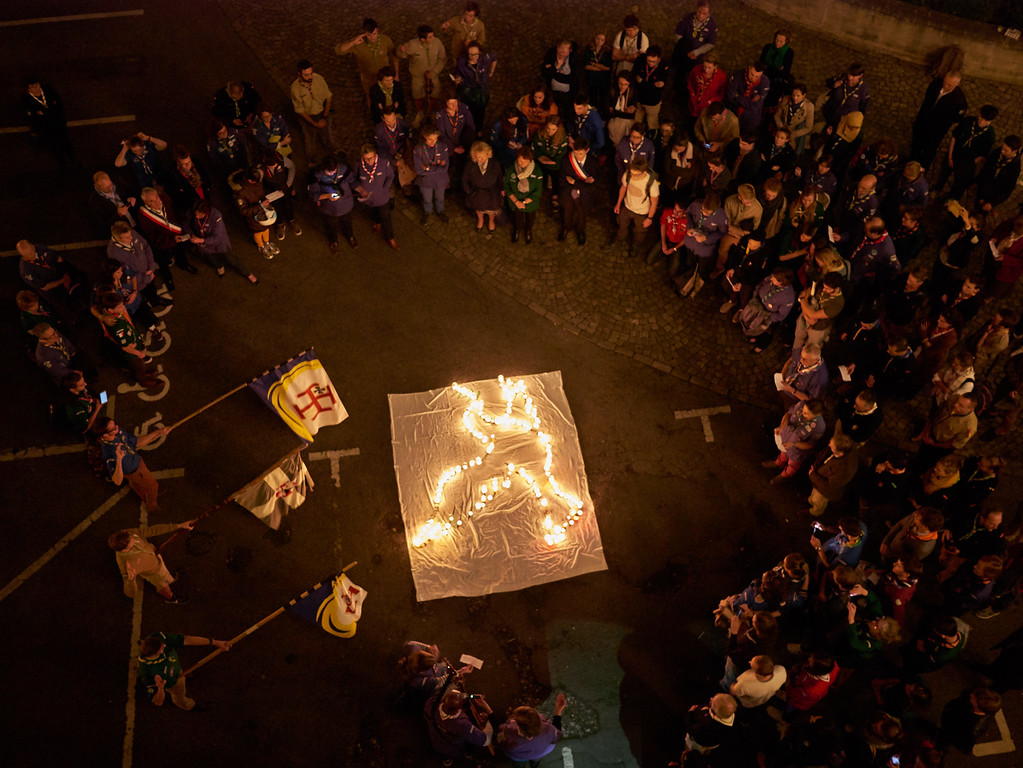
{"x": 500, "y": 546}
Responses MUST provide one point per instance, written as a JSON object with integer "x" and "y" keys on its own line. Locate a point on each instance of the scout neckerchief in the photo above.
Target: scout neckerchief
{"x": 702, "y": 84}
{"x": 633, "y": 150}
{"x": 160, "y": 219}
{"x": 975, "y": 131}
{"x": 41, "y": 98}
{"x": 60, "y": 345}
{"x": 847, "y": 92}
{"x": 793, "y": 108}
{"x": 393, "y": 135}
{"x": 454, "y": 119}
{"x": 368, "y": 172}
{"x": 194, "y": 179}
{"x": 892, "y": 359}
{"x": 431, "y": 160}
{"x": 799, "y": 369}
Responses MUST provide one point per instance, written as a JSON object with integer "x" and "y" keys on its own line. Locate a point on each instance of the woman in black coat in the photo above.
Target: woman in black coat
{"x": 482, "y": 182}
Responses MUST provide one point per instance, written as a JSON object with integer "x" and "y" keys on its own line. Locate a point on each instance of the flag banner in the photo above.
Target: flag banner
{"x": 335, "y": 606}
{"x": 284, "y": 487}
{"x": 301, "y": 393}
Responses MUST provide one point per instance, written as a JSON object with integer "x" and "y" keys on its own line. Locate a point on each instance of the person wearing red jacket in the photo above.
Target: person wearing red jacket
{"x": 706, "y": 84}
{"x": 810, "y": 682}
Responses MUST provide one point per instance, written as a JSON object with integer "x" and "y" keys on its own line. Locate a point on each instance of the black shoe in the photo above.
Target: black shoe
{"x": 515, "y": 236}
{"x": 169, "y": 285}
{"x": 443, "y": 217}
{"x": 581, "y": 237}
{"x": 164, "y": 301}
{"x": 353, "y": 242}
{"x": 561, "y": 235}
{"x": 190, "y": 269}
{"x": 423, "y": 219}
{"x": 529, "y": 236}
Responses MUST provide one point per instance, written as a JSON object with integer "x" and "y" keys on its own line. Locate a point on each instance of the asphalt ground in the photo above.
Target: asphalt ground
{"x": 683, "y": 521}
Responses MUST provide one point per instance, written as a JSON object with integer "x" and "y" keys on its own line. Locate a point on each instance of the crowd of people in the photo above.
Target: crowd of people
{"x": 745, "y": 180}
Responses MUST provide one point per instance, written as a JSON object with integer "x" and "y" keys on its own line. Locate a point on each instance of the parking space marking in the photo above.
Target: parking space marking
{"x": 335, "y": 461}
{"x": 46, "y": 450}
{"x": 74, "y": 17}
{"x": 1005, "y": 744}
{"x": 133, "y": 667}
{"x": 80, "y": 246}
{"x": 75, "y": 532}
{"x": 704, "y": 414}
{"x": 11, "y": 129}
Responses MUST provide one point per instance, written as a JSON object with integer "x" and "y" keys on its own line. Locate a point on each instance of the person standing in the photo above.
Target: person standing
{"x": 636, "y": 207}
{"x": 373, "y": 51}
{"x": 374, "y": 176}
{"x": 483, "y": 183}
{"x": 312, "y": 99}
{"x": 651, "y": 73}
{"x": 160, "y": 670}
{"x": 139, "y": 153}
{"x": 465, "y": 29}
{"x": 528, "y": 735}
{"x": 132, "y": 250}
{"x": 49, "y": 275}
{"x": 972, "y": 140}
{"x": 944, "y": 105}
{"x": 427, "y": 56}
{"x": 209, "y": 235}
{"x": 123, "y": 461}
{"x": 259, "y": 215}
{"x": 451, "y": 729}
{"x": 332, "y": 192}
{"x": 47, "y": 121}
{"x": 138, "y": 559}
{"x": 279, "y": 176}
{"x": 696, "y": 34}
{"x": 159, "y": 225}
{"x": 578, "y": 176}
{"x": 523, "y": 186}
{"x": 58, "y": 356}
{"x": 473, "y": 71}
{"x": 430, "y": 162}
{"x": 107, "y": 206}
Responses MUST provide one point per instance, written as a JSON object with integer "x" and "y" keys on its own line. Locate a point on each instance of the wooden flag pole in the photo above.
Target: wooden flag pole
{"x": 264, "y": 620}
{"x": 193, "y": 414}
{"x": 230, "y": 498}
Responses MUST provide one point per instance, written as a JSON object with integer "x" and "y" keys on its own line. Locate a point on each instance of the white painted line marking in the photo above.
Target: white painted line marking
{"x": 1006, "y": 744}
{"x": 75, "y": 532}
{"x": 12, "y": 129}
{"x": 704, "y": 414}
{"x": 335, "y": 461}
{"x": 133, "y": 669}
{"x": 75, "y": 17}
{"x": 81, "y": 246}
{"x": 47, "y": 450}
{"x": 566, "y": 757}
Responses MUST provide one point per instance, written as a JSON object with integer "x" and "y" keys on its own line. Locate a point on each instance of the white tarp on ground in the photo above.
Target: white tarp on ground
{"x": 500, "y": 547}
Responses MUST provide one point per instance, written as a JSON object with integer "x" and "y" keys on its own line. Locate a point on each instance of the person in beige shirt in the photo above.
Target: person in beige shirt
{"x": 311, "y": 99}
{"x": 464, "y": 29}
{"x": 138, "y": 559}
{"x": 373, "y": 51}
{"x": 426, "y": 56}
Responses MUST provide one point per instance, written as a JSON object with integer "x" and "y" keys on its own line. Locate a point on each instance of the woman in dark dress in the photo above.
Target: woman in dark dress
{"x": 482, "y": 182}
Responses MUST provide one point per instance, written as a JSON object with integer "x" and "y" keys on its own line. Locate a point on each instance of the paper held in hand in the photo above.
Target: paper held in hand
{"x": 467, "y": 659}
{"x": 777, "y": 441}
{"x": 779, "y": 382}
{"x": 275, "y": 195}
{"x": 845, "y": 373}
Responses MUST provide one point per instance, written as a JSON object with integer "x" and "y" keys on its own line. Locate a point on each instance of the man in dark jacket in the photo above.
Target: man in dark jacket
{"x": 47, "y": 121}
{"x": 943, "y": 106}
{"x": 236, "y": 104}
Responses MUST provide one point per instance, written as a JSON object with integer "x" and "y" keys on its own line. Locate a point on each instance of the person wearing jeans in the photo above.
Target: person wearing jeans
{"x": 430, "y": 162}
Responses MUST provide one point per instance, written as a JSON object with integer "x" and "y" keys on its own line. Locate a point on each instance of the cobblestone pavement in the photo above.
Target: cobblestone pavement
{"x": 600, "y": 294}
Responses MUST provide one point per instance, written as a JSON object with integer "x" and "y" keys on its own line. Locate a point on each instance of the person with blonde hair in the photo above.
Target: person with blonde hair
{"x": 528, "y": 735}
{"x": 482, "y": 181}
